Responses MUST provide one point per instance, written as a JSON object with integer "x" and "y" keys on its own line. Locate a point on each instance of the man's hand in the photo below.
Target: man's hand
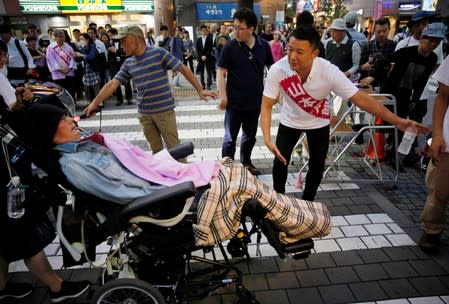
{"x": 365, "y": 67}
{"x": 204, "y": 94}
{"x": 203, "y": 58}
{"x": 403, "y": 124}
{"x": 223, "y": 103}
{"x": 65, "y": 70}
{"x": 90, "y": 110}
{"x": 29, "y": 72}
{"x": 438, "y": 145}
{"x": 274, "y": 149}
{"x": 366, "y": 80}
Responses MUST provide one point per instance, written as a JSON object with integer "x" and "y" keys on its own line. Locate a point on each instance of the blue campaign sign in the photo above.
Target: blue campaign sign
{"x": 219, "y": 11}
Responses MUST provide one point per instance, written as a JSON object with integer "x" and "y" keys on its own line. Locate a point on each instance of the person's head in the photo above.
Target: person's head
{"x": 3, "y": 54}
{"x": 185, "y": 35}
{"x": 44, "y": 40}
{"x": 92, "y": 32}
{"x": 223, "y": 29}
{"x": 277, "y": 36}
{"x": 163, "y": 30}
{"x": 303, "y": 48}
{"x": 93, "y": 25}
{"x": 222, "y": 40}
{"x": 50, "y": 33}
{"x": 113, "y": 32}
{"x": 32, "y": 30}
{"x": 105, "y": 38}
{"x": 214, "y": 28}
{"x": 5, "y": 32}
{"x": 338, "y": 30}
{"x": 76, "y": 34}
{"x": 418, "y": 21}
{"x": 350, "y": 19}
{"x": 268, "y": 28}
{"x": 31, "y": 42}
{"x": 150, "y": 31}
{"x": 46, "y": 126}
{"x": 101, "y": 30}
{"x": 381, "y": 30}
{"x": 431, "y": 36}
{"x": 132, "y": 40}
{"x": 59, "y": 36}
{"x": 85, "y": 39}
{"x": 245, "y": 24}
{"x": 178, "y": 31}
{"x": 304, "y": 19}
{"x": 107, "y": 26}
{"x": 203, "y": 30}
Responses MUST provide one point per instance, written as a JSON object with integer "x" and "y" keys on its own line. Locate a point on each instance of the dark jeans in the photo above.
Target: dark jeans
{"x": 200, "y": 70}
{"x": 189, "y": 61}
{"x": 128, "y": 92}
{"x": 248, "y": 121}
{"x": 318, "y": 142}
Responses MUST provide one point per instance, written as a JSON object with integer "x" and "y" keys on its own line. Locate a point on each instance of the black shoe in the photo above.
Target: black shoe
{"x": 16, "y": 290}
{"x": 253, "y": 170}
{"x": 429, "y": 243}
{"x": 130, "y": 102}
{"x": 204, "y": 87}
{"x": 119, "y": 103}
{"x": 208, "y": 87}
{"x": 69, "y": 290}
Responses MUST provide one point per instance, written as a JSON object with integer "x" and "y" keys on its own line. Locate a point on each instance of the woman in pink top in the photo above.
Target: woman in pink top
{"x": 277, "y": 48}
{"x": 61, "y": 62}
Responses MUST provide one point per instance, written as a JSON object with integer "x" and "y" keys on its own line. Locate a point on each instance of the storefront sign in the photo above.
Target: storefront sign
{"x": 138, "y": 5}
{"x": 39, "y": 7}
{"x": 219, "y": 11}
{"x": 90, "y": 6}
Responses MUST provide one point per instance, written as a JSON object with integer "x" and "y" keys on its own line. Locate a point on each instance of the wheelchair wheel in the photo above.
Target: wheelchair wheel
{"x": 129, "y": 291}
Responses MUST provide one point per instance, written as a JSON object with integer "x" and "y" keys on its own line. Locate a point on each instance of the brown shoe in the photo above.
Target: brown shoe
{"x": 253, "y": 170}
{"x": 429, "y": 243}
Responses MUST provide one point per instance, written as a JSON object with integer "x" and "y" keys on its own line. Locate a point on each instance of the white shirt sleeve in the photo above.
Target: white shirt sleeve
{"x": 7, "y": 91}
{"x": 341, "y": 85}
{"x": 272, "y": 86}
{"x": 442, "y": 74}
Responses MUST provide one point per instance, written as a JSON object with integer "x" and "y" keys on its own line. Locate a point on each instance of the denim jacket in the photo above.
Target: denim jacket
{"x": 93, "y": 168}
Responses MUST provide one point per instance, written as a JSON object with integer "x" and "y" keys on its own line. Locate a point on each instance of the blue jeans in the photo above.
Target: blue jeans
{"x": 248, "y": 121}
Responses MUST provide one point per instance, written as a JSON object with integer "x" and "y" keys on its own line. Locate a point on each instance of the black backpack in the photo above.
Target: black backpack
{"x": 99, "y": 63}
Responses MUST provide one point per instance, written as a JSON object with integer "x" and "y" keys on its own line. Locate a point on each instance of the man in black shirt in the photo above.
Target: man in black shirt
{"x": 267, "y": 32}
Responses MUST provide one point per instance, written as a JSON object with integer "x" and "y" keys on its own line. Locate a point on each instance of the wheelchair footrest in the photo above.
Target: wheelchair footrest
{"x": 300, "y": 249}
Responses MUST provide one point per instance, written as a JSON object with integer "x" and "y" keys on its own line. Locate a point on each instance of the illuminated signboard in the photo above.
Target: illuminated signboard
{"x": 39, "y": 7}
{"x": 218, "y": 11}
{"x": 84, "y": 6}
{"x": 90, "y": 6}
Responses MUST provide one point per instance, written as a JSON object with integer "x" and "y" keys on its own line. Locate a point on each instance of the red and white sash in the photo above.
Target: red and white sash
{"x": 293, "y": 87}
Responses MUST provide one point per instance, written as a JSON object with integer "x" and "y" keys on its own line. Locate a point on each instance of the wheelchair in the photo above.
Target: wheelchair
{"x": 153, "y": 257}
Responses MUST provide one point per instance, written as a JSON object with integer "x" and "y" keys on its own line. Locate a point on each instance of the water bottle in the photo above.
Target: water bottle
{"x": 407, "y": 141}
{"x": 16, "y": 198}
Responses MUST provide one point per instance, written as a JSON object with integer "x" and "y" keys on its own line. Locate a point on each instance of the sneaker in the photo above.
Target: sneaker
{"x": 253, "y": 170}
{"x": 69, "y": 290}
{"x": 16, "y": 290}
{"x": 429, "y": 243}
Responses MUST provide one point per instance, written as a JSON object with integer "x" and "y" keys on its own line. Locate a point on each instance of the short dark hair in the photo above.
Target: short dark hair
{"x": 92, "y": 29}
{"x": 203, "y": 26}
{"x": 5, "y": 28}
{"x": 3, "y": 46}
{"x": 30, "y": 38}
{"x": 76, "y": 31}
{"x": 247, "y": 15}
{"x": 163, "y": 28}
{"x": 92, "y": 24}
{"x": 307, "y": 33}
{"x": 31, "y": 27}
{"x": 113, "y": 31}
{"x": 382, "y": 21}
{"x": 304, "y": 19}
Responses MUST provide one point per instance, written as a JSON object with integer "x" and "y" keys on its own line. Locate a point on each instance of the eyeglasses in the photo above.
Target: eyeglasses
{"x": 239, "y": 29}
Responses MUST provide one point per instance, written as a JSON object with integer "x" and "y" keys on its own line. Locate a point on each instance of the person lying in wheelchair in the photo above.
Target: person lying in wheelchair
{"x": 98, "y": 165}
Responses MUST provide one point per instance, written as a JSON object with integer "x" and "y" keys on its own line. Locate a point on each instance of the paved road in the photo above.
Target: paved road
{"x": 370, "y": 256}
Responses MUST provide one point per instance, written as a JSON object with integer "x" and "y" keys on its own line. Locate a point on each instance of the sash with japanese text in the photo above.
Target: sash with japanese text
{"x": 293, "y": 87}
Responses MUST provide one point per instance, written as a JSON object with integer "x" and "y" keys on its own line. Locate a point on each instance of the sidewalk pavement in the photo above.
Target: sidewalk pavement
{"x": 370, "y": 257}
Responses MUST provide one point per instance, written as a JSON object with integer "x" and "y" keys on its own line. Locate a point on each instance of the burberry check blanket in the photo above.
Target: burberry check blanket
{"x": 219, "y": 208}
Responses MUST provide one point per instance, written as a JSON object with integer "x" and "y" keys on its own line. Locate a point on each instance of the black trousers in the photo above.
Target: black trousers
{"x": 318, "y": 142}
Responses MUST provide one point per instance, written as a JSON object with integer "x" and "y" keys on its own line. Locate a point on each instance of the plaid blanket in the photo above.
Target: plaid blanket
{"x": 220, "y": 207}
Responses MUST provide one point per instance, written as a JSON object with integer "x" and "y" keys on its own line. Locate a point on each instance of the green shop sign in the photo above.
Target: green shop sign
{"x": 85, "y": 6}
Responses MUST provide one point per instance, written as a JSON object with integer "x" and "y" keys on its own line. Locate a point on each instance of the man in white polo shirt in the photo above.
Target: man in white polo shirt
{"x": 433, "y": 217}
{"x": 306, "y": 81}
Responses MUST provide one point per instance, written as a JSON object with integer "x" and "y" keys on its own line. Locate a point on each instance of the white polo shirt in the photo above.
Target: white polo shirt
{"x": 442, "y": 75}
{"x": 324, "y": 78}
